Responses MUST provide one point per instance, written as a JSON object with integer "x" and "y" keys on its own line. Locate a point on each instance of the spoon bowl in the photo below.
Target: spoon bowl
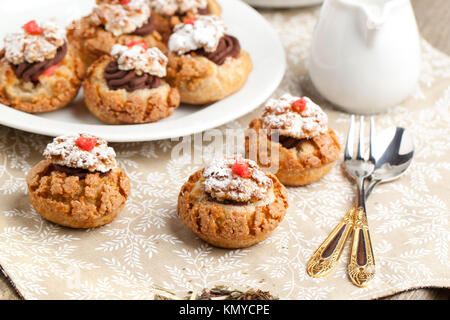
{"x": 393, "y": 152}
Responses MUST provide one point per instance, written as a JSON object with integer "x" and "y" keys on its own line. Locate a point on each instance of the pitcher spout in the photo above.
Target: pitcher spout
{"x": 373, "y": 15}
{"x": 370, "y": 25}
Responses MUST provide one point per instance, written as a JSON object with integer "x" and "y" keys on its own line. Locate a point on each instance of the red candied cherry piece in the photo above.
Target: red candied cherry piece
{"x": 241, "y": 169}
{"x": 138, "y": 43}
{"x": 190, "y": 21}
{"x": 124, "y": 2}
{"x": 299, "y": 105}
{"x": 32, "y": 27}
{"x": 51, "y": 71}
{"x": 86, "y": 144}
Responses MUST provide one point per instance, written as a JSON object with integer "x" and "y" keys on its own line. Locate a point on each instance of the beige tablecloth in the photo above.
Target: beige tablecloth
{"x": 147, "y": 244}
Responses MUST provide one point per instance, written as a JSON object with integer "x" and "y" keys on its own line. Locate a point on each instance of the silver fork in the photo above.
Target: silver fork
{"x": 361, "y": 267}
{"x": 326, "y": 256}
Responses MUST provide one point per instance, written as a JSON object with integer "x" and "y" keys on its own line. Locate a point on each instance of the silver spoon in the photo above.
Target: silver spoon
{"x": 393, "y": 151}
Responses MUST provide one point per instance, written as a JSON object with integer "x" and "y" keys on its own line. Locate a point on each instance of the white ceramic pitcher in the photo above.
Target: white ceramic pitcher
{"x": 365, "y": 54}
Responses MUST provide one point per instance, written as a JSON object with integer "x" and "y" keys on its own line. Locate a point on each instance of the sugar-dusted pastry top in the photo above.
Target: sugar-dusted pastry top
{"x": 140, "y": 59}
{"x": 122, "y": 18}
{"x": 294, "y": 117}
{"x": 81, "y": 151}
{"x": 39, "y": 43}
{"x": 170, "y": 7}
{"x": 236, "y": 179}
{"x": 203, "y": 32}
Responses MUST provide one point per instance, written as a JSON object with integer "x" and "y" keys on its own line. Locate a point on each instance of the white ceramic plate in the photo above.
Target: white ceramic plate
{"x": 283, "y": 3}
{"x": 256, "y": 36}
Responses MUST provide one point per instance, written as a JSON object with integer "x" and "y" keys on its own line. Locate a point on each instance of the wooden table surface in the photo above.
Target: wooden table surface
{"x": 433, "y": 17}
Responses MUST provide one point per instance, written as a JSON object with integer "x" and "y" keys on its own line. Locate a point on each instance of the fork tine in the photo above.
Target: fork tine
{"x": 360, "y": 153}
{"x": 350, "y": 141}
{"x": 372, "y": 135}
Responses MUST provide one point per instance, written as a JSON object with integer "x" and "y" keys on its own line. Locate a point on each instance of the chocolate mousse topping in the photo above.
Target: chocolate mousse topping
{"x": 204, "y": 11}
{"x": 31, "y": 71}
{"x": 289, "y": 142}
{"x": 229, "y": 46}
{"x": 146, "y": 29}
{"x": 227, "y": 202}
{"x": 80, "y": 173}
{"x": 128, "y": 80}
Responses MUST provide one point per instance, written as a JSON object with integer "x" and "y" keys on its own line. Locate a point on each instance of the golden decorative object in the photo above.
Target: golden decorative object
{"x": 361, "y": 267}
{"x": 327, "y": 255}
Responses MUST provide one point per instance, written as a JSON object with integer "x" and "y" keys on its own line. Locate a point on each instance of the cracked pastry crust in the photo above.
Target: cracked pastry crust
{"x": 298, "y": 166}
{"x": 230, "y": 225}
{"x": 122, "y": 107}
{"x": 77, "y": 203}
{"x": 201, "y": 81}
{"x": 51, "y": 93}
{"x": 91, "y": 42}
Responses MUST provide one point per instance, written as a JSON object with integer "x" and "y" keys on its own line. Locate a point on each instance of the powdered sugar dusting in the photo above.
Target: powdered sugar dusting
{"x": 223, "y": 184}
{"x": 24, "y": 47}
{"x": 122, "y": 19}
{"x": 204, "y": 33}
{"x": 279, "y": 115}
{"x": 151, "y": 61}
{"x": 170, "y": 7}
{"x": 65, "y": 152}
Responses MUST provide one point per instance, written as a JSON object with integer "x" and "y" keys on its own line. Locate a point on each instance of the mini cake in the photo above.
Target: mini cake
{"x": 39, "y": 71}
{"x": 80, "y": 184}
{"x": 205, "y": 63}
{"x": 232, "y": 203}
{"x": 114, "y": 22}
{"x": 297, "y": 129}
{"x": 128, "y": 86}
{"x": 169, "y": 13}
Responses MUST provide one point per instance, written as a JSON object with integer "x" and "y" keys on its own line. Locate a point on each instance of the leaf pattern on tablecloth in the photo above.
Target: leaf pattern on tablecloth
{"x": 148, "y": 246}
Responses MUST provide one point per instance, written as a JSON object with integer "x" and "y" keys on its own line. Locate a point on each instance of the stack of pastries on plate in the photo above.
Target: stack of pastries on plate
{"x": 137, "y": 61}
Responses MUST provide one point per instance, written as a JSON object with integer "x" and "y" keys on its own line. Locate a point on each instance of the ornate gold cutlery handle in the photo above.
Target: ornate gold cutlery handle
{"x": 327, "y": 255}
{"x": 361, "y": 267}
